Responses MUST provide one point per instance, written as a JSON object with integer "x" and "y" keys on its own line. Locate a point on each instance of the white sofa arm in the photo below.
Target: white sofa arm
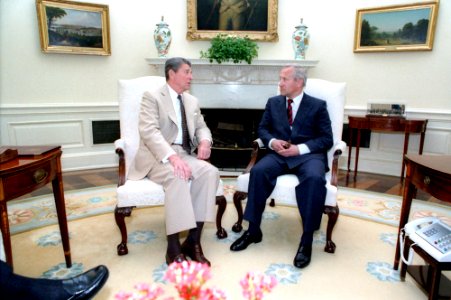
{"x": 260, "y": 143}
{"x": 119, "y": 144}
{"x": 340, "y": 145}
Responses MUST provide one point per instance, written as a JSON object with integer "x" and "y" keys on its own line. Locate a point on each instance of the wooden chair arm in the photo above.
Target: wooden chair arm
{"x": 334, "y": 168}
{"x": 121, "y": 154}
{"x": 257, "y": 153}
{"x": 338, "y": 148}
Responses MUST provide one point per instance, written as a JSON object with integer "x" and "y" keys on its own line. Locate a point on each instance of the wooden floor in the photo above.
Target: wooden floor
{"x": 364, "y": 181}
{"x": 391, "y": 185}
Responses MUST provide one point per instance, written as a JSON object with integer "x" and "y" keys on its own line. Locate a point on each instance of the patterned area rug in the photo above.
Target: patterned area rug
{"x": 361, "y": 268}
{"x": 27, "y": 214}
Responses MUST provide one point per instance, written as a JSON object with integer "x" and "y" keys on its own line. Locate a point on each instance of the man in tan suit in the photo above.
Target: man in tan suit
{"x": 189, "y": 182}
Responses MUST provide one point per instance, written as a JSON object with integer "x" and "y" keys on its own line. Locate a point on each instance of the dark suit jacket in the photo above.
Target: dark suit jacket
{"x": 311, "y": 126}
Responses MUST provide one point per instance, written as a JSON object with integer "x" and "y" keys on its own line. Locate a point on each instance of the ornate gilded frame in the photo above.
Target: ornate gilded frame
{"x": 269, "y": 35}
{"x": 369, "y": 37}
{"x": 76, "y": 36}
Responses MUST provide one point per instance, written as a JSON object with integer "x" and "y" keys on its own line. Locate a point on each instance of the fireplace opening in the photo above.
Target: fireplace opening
{"x": 233, "y": 131}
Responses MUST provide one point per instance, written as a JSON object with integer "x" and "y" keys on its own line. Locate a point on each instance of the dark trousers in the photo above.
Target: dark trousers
{"x": 310, "y": 193}
{"x": 17, "y": 287}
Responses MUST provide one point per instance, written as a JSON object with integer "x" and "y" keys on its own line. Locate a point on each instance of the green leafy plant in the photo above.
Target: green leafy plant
{"x": 231, "y": 48}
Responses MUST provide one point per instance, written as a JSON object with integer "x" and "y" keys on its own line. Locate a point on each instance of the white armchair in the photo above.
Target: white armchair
{"x": 144, "y": 192}
{"x": 284, "y": 192}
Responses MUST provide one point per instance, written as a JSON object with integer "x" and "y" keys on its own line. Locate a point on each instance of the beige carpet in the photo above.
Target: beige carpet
{"x": 361, "y": 268}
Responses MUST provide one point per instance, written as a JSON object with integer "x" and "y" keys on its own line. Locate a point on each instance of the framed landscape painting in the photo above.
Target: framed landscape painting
{"x": 256, "y": 19}
{"x": 396, "y": 28}
{"x": 73, "y": 27}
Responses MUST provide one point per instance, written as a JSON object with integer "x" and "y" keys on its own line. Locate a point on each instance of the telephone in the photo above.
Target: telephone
{"x": 430, "y": 234}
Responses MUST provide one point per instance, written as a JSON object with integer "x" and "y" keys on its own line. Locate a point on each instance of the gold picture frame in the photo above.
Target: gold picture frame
{"x": 73, "y": 27}
{"x": 256, "y": 19}
{"x": 394, "y": 28}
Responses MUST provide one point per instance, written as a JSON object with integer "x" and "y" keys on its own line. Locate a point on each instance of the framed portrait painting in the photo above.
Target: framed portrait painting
{"x": 396, "y": 28}
{"x": 256, "y": 19}
{"x": 73, "y": 27}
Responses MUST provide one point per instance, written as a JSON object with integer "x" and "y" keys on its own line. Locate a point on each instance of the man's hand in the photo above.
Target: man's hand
{"x": 181, "y": 168}
{"x": 284, "y": 148}
{"x": 204, "y": 150}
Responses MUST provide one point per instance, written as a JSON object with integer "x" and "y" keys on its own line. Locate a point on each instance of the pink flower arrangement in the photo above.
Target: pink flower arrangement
{"x": 256, "y": 284}
{"x": 143, "y": 292}
{"x": 189, "y": 278}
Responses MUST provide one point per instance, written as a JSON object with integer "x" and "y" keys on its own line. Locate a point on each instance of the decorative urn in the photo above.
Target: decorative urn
{"x": 300, "y": 40}
{"x": 162, "y": 37}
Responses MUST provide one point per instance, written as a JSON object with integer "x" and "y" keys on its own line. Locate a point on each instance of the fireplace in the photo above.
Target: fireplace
{"x": 233, "y": 131}
{"x": 232, "y": 99}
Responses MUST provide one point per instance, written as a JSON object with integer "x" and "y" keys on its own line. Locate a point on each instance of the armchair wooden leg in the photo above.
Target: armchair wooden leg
{"x": 222, "y": 203}
{"x": 237, "y": 198}
{"x": 332, "y": 213}
{"x": 119, "y": 215}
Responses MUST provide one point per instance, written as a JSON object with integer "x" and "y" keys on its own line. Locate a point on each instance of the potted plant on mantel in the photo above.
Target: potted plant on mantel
{"x": 226, "y": 48}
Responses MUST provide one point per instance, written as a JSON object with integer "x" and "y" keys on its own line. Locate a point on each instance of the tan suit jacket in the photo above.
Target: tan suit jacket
{"x": 186, "y": 202}
{"x": 158, "y": 129}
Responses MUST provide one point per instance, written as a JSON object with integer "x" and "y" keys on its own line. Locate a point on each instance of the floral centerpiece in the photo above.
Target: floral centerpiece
{"x": 231, "y": 48}
{"x": 189, "y": 278}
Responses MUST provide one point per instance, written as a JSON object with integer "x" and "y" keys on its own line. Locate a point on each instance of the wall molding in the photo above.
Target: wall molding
{"x": 70, "y": 125}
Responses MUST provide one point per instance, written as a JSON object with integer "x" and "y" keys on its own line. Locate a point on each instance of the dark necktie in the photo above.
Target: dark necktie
{"x": 290, "y": 112}
{"x": 185, "y": 133}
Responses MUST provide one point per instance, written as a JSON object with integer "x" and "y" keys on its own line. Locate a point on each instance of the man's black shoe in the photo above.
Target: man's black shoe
{"x": 245, "y": 240}
{"x": 86, "y": 285}
{"x": 303, "y": 256}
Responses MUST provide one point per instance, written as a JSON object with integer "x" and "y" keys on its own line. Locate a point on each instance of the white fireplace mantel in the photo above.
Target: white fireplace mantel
{"x": 259, "y": 72}
{"x": 230, "y": 85}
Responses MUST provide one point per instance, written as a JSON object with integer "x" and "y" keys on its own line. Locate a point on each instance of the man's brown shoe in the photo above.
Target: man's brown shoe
{"x": 194, "y": 251}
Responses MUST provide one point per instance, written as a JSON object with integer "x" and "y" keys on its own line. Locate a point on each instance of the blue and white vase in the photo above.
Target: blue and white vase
{"x": 300, "y": 40}
{"x": 162, "y": 37}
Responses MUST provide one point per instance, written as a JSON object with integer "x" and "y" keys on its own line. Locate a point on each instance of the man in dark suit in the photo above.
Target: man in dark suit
{"x": 297, "y": 129}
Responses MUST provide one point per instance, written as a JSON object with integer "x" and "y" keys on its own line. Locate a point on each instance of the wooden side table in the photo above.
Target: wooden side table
{"x": 384, "y": 124}
{"x": 34, "y": 167}
{"x": 431, "y": 173}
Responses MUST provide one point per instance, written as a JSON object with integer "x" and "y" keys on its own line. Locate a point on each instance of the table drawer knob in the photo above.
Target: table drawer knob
{"x": 40, "y": 175}
{"x": 427, "y": 180}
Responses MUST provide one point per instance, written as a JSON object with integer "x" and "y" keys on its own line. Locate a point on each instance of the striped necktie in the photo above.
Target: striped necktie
{"x": 290, "y": 112}
{"x": 185, "y": 134}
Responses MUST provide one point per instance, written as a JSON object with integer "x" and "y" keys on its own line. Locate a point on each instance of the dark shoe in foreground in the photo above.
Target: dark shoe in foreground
{"x": 245, "y": 240}
{"x": 86, "y": 285}
{"x": 175, "y": 258}
{"x": 303, "y": 256}
{"x": 194, "y": 251}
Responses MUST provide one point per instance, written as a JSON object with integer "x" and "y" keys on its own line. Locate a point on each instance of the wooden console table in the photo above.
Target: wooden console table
{"x": 33, "y": 168}
{"x": 384, "y": 124}
{"x": 433, "y": 175}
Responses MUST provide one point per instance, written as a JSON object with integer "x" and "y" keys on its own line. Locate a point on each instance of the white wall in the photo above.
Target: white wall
{"x": 30, "y": 78}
